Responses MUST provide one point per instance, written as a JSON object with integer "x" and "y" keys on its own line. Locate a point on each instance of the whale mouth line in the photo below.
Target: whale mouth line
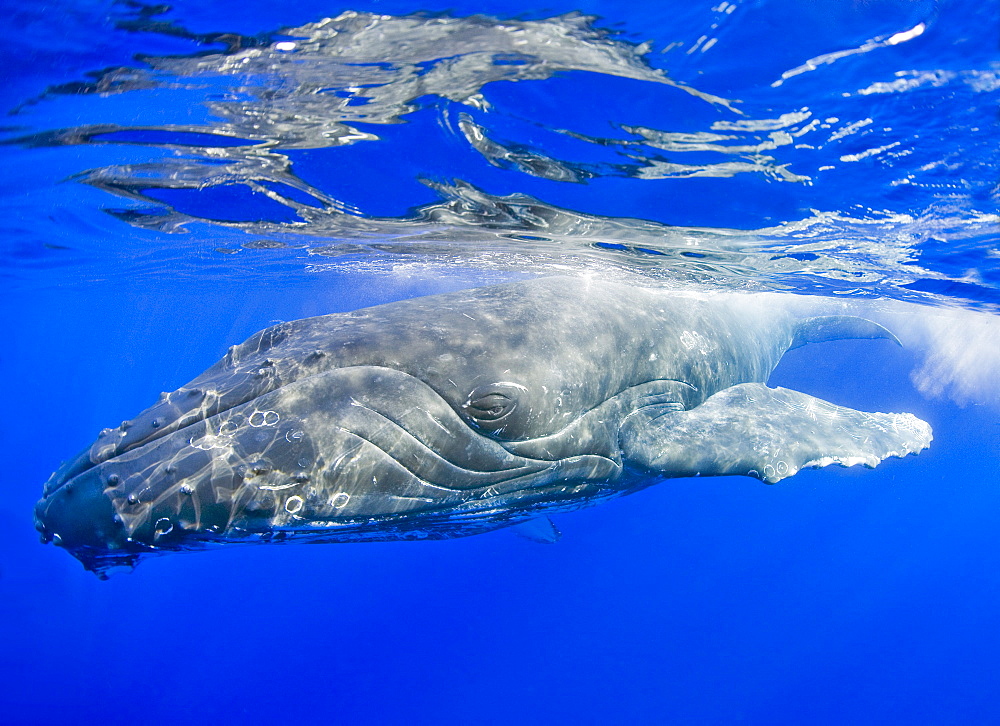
{"x": 471, "y": 517}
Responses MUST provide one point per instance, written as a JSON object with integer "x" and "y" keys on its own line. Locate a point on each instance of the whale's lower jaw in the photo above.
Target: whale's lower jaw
{"x": 120, "y": 511}
{"x": 478, "y": 515}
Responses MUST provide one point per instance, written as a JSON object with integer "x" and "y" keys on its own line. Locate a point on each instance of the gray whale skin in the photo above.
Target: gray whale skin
{"x": 455, "y": 414}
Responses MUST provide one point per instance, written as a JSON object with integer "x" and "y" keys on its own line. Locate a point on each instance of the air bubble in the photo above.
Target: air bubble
{"x": 163, "y": 526}
{"x": 209, "y": 442}
{"x": 294, "y": 435}
{"x": 132, "y": 499}
{"x": 293, "y": 504}
{"x": 228, "y": 427}
{"x": 186, "y": 489}
{"x": 340, "y": 500}
{"x": 263, "y": 418}
{"x": 113, "y": 480}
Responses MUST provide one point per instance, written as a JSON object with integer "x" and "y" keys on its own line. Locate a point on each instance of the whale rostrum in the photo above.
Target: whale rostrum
{"x": 455, "y": 414}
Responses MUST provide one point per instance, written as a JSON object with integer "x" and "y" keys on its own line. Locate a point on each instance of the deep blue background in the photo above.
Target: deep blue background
{"x": 840, "y": 596}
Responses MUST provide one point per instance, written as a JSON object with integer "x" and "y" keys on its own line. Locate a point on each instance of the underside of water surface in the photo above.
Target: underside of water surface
{"x": 856, "y": 159}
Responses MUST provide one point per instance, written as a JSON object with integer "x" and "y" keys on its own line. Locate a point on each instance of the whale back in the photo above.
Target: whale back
{"x": 549, "y": 349}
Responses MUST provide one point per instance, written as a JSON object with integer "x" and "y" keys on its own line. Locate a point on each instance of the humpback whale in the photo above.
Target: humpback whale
{"x": 455, "y": 414}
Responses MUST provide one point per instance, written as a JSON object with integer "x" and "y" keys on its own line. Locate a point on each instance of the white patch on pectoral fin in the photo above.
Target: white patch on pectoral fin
{"x": 768, "y": 433}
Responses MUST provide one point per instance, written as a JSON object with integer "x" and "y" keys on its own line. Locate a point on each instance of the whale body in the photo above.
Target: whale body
{"x": 455, "y": 414}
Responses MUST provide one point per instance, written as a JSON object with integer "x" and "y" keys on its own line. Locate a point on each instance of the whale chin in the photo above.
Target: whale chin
{"x": 353, "y": 454}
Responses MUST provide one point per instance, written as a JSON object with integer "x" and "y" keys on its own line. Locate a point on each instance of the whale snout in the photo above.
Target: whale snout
{"x": 77, "y": 515}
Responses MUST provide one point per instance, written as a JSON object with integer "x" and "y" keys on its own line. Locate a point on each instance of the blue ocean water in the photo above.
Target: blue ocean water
{"x": 180, "y": 177}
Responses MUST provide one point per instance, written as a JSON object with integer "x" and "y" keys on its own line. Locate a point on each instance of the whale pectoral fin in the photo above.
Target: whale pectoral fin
{"x": 540, "y": 529}
{"x": 768, "y": 433}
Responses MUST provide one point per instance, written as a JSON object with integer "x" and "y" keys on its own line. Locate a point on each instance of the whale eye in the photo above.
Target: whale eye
{"x": 491, "y": 407}
{"x": 498, "y": 409}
